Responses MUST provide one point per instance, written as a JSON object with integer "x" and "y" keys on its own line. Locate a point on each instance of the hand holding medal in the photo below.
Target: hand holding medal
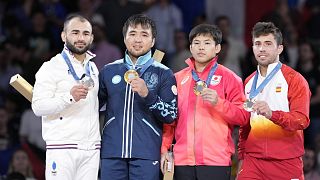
{"x": 262, "y": 108}
{"x": 78, "y": 92}
{"x": 210, "y": 95}
{"x": 248, "y": 105}
{"x": 139, "y": 86}
{"x": 87, "y": 81}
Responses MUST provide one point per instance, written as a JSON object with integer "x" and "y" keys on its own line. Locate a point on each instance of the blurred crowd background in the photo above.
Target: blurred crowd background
{"x": 30, "y": 34}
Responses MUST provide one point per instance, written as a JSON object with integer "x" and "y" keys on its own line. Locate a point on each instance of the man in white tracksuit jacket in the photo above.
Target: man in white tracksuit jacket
{"x": 65, "y": 95}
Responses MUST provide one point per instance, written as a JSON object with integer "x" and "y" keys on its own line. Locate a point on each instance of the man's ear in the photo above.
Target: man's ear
{"x": 92, "y": 38}
{"x": 280, "y": 49}
{"x": 153, "y": 41}
{"x": 218, "y": 48}
{"x": 63, "y": 36}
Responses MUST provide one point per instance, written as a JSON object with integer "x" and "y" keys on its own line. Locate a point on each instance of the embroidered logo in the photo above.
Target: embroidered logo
{"x": 116, "y": 79}
{"x": 278, "y": 88}
{"x": 151, "y": 79}
{"x": 54, "y": 167}
{"x": 184, "y": 80}
{"x": 215, "y": 80}
{"x": 174, "y": 89}
{"x": 155, "y": 162}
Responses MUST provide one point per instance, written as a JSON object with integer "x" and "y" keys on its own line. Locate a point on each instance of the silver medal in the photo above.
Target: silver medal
{"x": 87, "y": 81}
{"x": 247, "y": 105}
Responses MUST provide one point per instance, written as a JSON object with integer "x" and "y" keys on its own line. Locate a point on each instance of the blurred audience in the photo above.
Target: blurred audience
{"x": 30, "y": 32}
{"x": 177, "y": 62}
{"x": 20, "y": 163}
{"x": 310, "y": 164}
{"x": 104, "y": 50}
{"x": 235, "y": 49}
{"x": 168, "y": 19}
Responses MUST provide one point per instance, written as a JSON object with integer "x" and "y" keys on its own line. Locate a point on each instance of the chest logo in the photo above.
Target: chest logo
{"x": 184, "y": 80}
{"x": 116, "y": 79}
{"x": 278, "y": 88}
{"x": 151, "y": 79}
{"x": 215, "y": 80}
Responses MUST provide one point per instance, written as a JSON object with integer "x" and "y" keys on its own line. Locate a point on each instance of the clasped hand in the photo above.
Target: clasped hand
{"x": 139, "y": 86}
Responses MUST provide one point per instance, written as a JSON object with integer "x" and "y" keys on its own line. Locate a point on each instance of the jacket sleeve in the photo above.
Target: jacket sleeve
{"x": 243, "y": 136}
{"x": 231, "y": 106}
{"x": 299, "y": 103}
{"x": 102, "y": 94}
{"x": 44, "y": 100}
{"x": 167, "y": 136}
{"x": 163, "y": 103}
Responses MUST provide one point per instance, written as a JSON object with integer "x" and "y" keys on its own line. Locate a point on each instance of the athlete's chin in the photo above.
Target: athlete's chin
{"x": 137, "y": 53}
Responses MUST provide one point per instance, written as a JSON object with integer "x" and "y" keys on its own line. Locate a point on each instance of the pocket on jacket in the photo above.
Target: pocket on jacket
{"x": 153, "y": 129}
{"x": 108, "y": 122}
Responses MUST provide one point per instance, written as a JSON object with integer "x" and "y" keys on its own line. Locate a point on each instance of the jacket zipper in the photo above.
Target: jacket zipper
{"x": 194, "y": 129}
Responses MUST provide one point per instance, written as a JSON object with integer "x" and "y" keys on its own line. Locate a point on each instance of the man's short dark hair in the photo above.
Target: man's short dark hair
{"x": 73, "y": 16}
{"x": 141, "y": 19}
{"x": 266, "y": 28}
{"x": 206, "y": 29}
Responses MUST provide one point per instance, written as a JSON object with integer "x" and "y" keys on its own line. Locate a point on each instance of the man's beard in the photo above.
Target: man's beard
{"x": 75, "y": 50}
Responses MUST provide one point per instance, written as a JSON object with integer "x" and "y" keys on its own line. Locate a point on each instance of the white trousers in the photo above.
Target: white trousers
{"x": 72, "y": 164}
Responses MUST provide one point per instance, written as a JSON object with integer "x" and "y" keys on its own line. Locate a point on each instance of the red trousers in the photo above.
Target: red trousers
{"x": 266, "y": 169}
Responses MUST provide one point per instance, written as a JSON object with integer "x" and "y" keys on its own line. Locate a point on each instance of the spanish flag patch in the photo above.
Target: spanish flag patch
{"x": 278, "y": 89}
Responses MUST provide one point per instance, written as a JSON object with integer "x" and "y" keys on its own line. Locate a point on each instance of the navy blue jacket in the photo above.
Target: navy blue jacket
{"x": 133, "y": 125}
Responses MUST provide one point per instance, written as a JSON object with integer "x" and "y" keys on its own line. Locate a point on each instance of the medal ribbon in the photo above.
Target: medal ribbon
{"x": 71, "y": 69}
{"x": 142, "y": 68}
{"x": 211, "y": 73}
{"x": 255, "y": 91}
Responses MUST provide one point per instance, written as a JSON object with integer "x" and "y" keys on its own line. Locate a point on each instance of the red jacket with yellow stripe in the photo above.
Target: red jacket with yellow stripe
{"x": 281, "y": 136}
{"x": 202, "y": 130}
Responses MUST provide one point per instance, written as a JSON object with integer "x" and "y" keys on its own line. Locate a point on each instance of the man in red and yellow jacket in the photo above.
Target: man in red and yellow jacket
{"x": 271, "y": 145}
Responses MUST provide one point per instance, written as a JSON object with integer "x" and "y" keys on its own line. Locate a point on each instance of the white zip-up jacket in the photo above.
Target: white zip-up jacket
{"x": 66, "y": 124}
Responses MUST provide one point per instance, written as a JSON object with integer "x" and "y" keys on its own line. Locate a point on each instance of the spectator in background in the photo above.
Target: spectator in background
{"x": 20, "y": 163}
{"x": 7, "y": 144}
{"x": 115, "y": 13}
{"x": 309, "y": 164}
{"x": 177, "y": 62}
{"x": 104, "y": 50}
{"x": 7, "y": 68}
{"x": 307, "y": 66}
{"x": 236, "y": 49}
{"x": 30, "y": 132}
{"x": 40, "y": 38}
{"x": 22, "y": 11}
{"x": 168, "y": 19}
{"x": 88, "y": 9}
{"x": 55, "y": 13}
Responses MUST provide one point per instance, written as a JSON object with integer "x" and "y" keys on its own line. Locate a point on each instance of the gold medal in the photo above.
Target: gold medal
{"x": 247, "y": 105}
{"x": 130, "y": 74}
{"x": 199, "y": 86}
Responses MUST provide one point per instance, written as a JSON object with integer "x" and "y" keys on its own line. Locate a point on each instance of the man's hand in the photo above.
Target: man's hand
{"x": 262, "y": 108}
{"x": 164, "y": 157}
{"x": 210, "y": 95}
{"x": 79, "y": 92}
{"x": 139, "y": 86}
{"x": 239, "y": 169}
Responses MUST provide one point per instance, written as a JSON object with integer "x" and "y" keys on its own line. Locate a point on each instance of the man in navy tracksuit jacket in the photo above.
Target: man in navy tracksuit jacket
{"x": 140, "y": 95}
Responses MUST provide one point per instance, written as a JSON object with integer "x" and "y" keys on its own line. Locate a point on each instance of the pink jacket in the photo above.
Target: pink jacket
{"x": 202, "y": 130}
